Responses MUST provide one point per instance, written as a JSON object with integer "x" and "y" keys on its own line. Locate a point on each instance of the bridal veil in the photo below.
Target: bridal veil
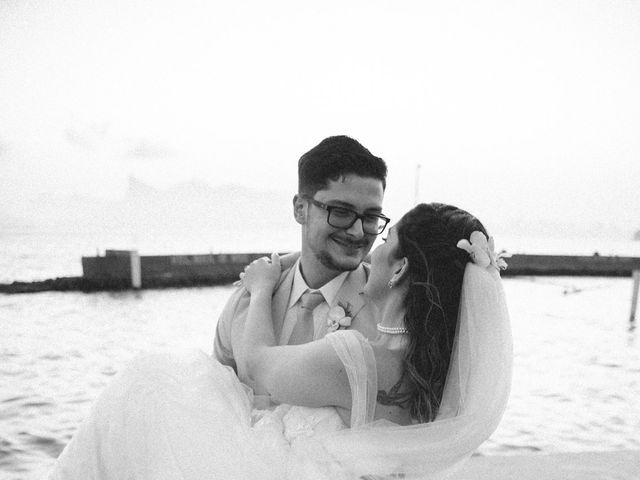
{"x": 474, "y": 398}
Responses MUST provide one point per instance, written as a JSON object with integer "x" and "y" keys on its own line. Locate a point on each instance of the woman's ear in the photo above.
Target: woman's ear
{"x": 299, "y": 209}
{"x": 401, "y": 270}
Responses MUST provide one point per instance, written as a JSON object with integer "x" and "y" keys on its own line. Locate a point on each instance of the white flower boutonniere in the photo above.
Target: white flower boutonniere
{"x": 339, "y": 316}
{"x": 482, "y": 251}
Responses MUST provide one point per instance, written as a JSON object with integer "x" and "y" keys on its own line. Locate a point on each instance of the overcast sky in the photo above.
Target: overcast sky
{"x": 513, "y": 109}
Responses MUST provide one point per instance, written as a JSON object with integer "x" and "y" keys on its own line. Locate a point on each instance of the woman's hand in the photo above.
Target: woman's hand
{"x": 262, "y": 274}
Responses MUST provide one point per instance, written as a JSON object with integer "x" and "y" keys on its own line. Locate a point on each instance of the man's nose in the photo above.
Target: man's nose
{"x": 356, "y": 230}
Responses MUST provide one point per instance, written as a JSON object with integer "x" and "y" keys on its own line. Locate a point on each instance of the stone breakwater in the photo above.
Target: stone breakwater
{"x": 123, "y": 270}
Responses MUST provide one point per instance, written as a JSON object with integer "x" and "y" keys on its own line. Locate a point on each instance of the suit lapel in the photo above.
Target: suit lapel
{"x": 349, "y": 297}
{"x": 350, "y": 294}
{"x": 279, "y": 305}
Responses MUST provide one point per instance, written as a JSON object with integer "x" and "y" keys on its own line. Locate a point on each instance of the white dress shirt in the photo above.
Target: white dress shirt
{"x": 329, "y": 291}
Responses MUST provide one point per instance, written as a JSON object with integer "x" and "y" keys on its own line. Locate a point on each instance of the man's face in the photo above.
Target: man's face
{"x": 335, "y": 248}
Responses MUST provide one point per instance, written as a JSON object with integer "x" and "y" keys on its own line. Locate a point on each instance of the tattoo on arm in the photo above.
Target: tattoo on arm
{"x": 393, "y": 397}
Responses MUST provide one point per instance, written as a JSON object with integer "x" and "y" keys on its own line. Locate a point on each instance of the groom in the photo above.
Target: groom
{"x": 339, "y": 208}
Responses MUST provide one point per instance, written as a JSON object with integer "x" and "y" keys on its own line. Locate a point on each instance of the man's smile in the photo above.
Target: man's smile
{"x": 348, "y": 244}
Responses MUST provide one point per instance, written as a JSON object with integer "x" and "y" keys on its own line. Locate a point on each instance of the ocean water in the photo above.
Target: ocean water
{"x": 576, "y": 369}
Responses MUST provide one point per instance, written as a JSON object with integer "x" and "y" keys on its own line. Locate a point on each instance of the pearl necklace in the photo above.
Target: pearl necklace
{"x": 392, "y": 330}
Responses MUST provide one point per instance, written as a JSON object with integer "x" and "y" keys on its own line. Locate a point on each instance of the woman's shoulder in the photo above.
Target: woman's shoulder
{"x": 347, "y": 335}
{"x": 352, "y": 348}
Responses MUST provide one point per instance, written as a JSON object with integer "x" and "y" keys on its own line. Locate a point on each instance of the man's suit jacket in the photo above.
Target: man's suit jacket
{"x": 230, "y": 326}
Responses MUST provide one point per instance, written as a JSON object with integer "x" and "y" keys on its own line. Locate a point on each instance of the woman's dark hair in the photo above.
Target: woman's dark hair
{"x": 332, "y": 159}
{"x": 428, "y": 235}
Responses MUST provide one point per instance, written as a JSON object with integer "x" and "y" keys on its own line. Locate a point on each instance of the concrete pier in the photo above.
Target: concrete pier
{"x": 124, "y": 269}
{"x": 571, "y": 265}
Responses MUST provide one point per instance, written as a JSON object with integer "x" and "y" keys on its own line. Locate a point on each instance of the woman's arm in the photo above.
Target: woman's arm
{"x": 307, "y": 375}
{"x": 259, "y": 279}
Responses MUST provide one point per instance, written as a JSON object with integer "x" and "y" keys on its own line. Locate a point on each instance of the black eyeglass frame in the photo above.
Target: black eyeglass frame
{"x": 357, "y": 215}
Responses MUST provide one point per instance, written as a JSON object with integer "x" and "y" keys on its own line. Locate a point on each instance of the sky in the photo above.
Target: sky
{"x": 524, "y": 113}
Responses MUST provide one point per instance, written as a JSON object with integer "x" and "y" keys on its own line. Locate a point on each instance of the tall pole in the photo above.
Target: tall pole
{"x": 634, "y": 296}
{"x": 416, "y": 199}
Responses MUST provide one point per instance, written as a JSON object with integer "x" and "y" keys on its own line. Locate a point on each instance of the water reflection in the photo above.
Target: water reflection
{"x": 575, "y": 374}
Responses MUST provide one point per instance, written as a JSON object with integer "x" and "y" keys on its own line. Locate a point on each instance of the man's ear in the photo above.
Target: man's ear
{"x": 299, "y": 209}
{"x": 401, "y": 270}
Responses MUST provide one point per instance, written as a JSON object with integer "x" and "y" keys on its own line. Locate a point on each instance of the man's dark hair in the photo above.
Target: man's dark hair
{"x": 332, "y": 159}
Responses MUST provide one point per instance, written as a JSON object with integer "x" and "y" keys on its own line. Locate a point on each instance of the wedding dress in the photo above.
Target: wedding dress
{"x": 188, "y": 417}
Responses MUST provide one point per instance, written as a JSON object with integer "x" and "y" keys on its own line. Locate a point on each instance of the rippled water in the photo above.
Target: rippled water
{"x": 576, "y": 377}
{"x": 577, "y": 365}
{"x": 58, "y": 350}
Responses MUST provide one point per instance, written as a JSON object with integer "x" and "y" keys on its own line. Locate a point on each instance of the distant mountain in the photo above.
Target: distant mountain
{"x": 8, "y": 221}
{"x": 186, "y": 205}
{"x": 138, "y": 189}
{"x": 193, "y": 206}
{"x": 198, "y": 191}
{"x": 197, "y": 202}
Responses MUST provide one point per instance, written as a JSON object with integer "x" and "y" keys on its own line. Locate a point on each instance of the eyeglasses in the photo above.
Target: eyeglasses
{"x": 344, "y": 218}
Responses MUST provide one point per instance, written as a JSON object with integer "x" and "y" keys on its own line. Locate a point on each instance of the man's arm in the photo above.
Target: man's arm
{"x": 222, "y": 345}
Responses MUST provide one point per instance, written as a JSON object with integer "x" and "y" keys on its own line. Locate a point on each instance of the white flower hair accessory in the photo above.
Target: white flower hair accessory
{"x": 482, "y": 251}
{"x": 338, "y": 317}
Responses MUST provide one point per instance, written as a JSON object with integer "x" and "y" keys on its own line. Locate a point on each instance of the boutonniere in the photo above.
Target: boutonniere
{"x": 339, "y": 316}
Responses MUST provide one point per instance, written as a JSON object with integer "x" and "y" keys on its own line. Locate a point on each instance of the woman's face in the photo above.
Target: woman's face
{"x": 384, "y": 264}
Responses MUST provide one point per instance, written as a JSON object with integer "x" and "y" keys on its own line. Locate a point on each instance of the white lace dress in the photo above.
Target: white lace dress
{"x": 188, "y": 417}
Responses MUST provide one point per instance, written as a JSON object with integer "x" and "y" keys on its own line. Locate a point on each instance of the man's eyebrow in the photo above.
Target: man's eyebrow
{"x": 350, "y": 206}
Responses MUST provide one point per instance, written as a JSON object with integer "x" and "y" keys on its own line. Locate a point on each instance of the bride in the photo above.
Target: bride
{"x": 414, "y": 403}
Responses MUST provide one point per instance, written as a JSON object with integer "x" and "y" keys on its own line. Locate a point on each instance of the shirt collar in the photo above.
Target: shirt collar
{"x": 329, "y": 290}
